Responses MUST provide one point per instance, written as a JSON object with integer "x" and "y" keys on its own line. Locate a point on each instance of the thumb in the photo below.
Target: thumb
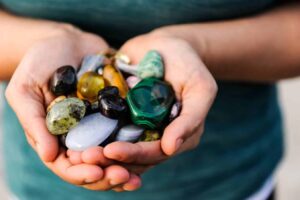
{"x": 30, "y": 111}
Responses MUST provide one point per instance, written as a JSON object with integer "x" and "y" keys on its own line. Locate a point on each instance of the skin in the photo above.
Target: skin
{"x": 276, "y": 47}
{"x": 209, "y": 48}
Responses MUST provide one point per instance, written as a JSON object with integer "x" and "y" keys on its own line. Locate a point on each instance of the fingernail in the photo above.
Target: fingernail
{"x": 178, "y": 144}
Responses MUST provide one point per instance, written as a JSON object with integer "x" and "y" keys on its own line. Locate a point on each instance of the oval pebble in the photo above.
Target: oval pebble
{"x": 65, "y": 115}
{"x": 90, "y": 132}
{"x": 129, "y": 133}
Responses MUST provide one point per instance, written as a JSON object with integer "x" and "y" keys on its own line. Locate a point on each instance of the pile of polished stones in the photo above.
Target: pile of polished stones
{"x": 96, "y": 105}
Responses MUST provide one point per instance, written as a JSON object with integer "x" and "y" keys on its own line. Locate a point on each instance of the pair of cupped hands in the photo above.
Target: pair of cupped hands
{"x": 117, "y": 166}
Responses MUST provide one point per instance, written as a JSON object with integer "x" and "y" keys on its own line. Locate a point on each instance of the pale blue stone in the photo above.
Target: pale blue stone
{"x": 129, "y": 133}
{"x": 91, "y": 131}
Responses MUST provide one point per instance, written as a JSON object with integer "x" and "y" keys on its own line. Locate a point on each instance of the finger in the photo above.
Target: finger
{"x": 113, "y": 175}
{"x": 196, "y": 102}
{"x": 134, "y": 183}
{"x": 74, "y": 157}
{"x": 138, "y": 153}
{"x": 137, "y": 169}
{"x": 96, "y": 156}
{"x": 118, "y": 189}
{"x": 29, "y": 108}
{"x": 75, "y": 174}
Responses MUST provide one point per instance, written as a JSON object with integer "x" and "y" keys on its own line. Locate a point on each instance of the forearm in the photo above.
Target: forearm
{"x": 17, "y": 35}
{"x": 259, "y": 48}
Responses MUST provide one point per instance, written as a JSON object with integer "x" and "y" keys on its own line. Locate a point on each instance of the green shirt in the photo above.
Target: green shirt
{"x": 242, "y": 143}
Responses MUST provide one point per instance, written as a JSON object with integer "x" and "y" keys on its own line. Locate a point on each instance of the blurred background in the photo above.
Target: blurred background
{"x": 288, "y": 176}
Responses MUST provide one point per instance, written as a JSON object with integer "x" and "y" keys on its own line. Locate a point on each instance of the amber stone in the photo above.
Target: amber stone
{"x": 63, "y": 81}
{"x": 89, "y": 85}
{"x": 113, "y": 77}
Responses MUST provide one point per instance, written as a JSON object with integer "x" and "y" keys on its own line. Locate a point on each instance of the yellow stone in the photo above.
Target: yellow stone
{"x": 113, "y": 77}
{"x": 89, "y": 84}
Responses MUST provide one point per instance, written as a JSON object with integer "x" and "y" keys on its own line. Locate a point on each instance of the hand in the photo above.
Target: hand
{"x": 193, "y": 85}
{"x": 28, "y": 94}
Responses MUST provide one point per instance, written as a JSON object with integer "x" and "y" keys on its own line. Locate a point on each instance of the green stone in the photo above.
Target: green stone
{"x": 65, "y": 115}
{"x": 151, "y": 66}
{"x": 150, "y": 135}
{"x": 150, "y": 102}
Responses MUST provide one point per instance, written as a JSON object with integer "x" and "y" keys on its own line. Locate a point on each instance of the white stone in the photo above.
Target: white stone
{"x": 124, "y": 67}
{"x": 129, "y": 133}
{"x": 91, "y": 131}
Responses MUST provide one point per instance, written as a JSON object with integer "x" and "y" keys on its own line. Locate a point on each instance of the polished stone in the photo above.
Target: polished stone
{"x": 113, "y": 77}
{"x": 151, "y": 66}
{"x": 89, "y": 85}
{"x": 150, "y": 135}
{"x": 65, "y": 115}
{"x": 90, "y": 63}
{"x": 113, "y": 106}
{"x": 150, "y": 102}
{"x": 129, "y": 133}
{"x": 63, "y": 81}
{"x": 175, "y": 111}
{"x": 90, "y": 132}
{"x": 132, "y": 81}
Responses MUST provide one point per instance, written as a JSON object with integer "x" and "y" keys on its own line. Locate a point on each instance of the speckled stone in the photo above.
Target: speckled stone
{"x": 90, "y": 132}
{"x": 65, "y": 115}
{"x": 151, "y": 66}
{"x": 150, "y": 135}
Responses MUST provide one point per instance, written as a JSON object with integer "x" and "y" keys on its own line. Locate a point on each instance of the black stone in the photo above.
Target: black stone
{"x": 109, "y": 90}
{"x": 113, "y": 106}
{"x": 63, "y": 81}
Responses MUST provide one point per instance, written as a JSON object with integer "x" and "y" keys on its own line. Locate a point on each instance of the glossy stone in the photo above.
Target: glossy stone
{"x": 89, "y": 85}
{"x": 113, "y": 77}
{"x": 125, "y": 67}
{"x": 90, "y": 132}
{"x": 175, "y": 111}
{"x": 150, "y": 135}
{"x": 62, "y": 139}
{"x": 65, "y": 115}
{"x": 91, "y": 107}
{"x": 129, "y": 133}
{"x": 56, "y": 100}
{"x": 90, "y": 63}
{"x": 151, "y": 66}
{"x": 113, "y": 106}
{"x": 122, "y": 57}
{"x": 132, "y": 81}
{"x": 150, "y": 102}
{"x": 109, "y": 90}
{"x": 63, "y": 81}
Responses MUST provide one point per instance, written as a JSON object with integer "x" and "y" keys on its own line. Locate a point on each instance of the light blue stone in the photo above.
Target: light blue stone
{"x": 129, "y": 133}
{"x": 91, "y": 131}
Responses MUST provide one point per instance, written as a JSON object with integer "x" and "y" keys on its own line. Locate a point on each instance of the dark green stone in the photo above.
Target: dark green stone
{"x": 150, "y": 102}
